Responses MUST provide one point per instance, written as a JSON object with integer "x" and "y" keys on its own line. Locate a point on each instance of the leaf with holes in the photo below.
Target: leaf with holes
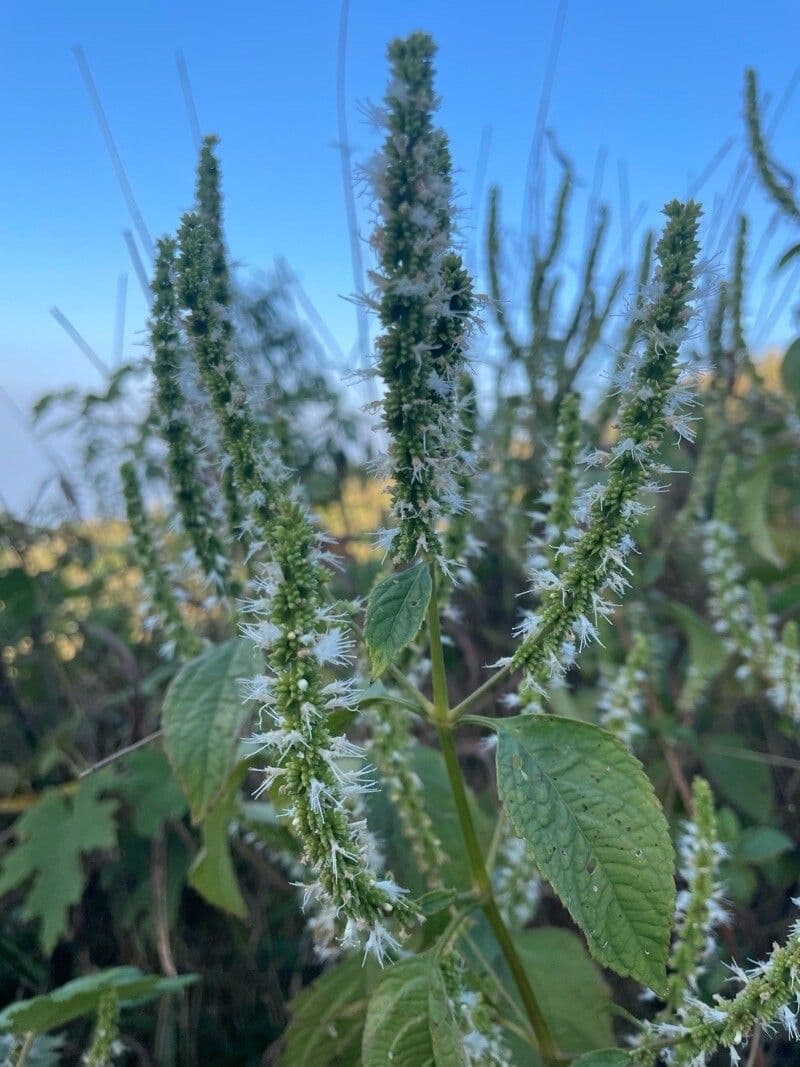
{"x": 395, "y": 612}
{"x": 203, "y": 716}
{"x": 409, "y": 1020}
{"x": 598, "y": 834}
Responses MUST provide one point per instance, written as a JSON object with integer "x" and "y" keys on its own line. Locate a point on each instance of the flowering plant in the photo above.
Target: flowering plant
{"x": 423, "y": 896}
{"x": 576, "y": 809}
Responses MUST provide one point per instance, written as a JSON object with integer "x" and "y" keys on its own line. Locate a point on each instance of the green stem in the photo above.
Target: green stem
{"x": 443, "y": 721}
{"x": 20, "y": 1057}
{"x": 411, "y": 691}
{"x": 481, "y": 691}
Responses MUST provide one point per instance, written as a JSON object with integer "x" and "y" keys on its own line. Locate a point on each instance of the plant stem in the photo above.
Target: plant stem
{"x": 481, "y": 691}
{"x": 443, "y": 720}
{"x": 20, "y": 1057}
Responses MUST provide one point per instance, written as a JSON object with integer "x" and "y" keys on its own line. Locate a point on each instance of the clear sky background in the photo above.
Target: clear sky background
{"x": 658, "y": 85}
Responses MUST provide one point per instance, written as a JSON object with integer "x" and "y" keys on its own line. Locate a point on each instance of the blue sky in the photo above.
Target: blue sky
{"x": 657, "y": 85}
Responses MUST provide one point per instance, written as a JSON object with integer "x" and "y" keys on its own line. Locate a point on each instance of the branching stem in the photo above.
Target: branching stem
{"x": 444, "y": 719}
{"x": 476, "y": 697}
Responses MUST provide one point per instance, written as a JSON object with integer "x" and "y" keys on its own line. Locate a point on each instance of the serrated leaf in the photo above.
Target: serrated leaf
{"x": 409, "y": 1021}
{"x": 82, "y": 996}
{"x": 51, "y": 839}
{"x": 148, "y": 785}
{"x": 204, "y": 713}
{"x": 327, "y": 1018}
{"x": 395, "y": 612}
{"x": 598, "y": 834}
{"x": 436, "y": 900}
{"x": 212, "y": 874}
{"x": 790, "y": 368}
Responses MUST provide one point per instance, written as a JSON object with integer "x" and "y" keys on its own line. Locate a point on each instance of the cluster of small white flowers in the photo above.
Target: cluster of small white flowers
{"x": 699, "y": 859}
{"x": 728, "y": 599}
{"x": 516, "y": 885}
{"x": 782, "y": 669}
{"x": 321, "y": 918}
{"x": 769, "y": 996}
{"x": 745, "y": 626}
{"x": 622, "y": 701}
{"x": 655, "y": 384}
{"x": 527, "y": 701}
{"x": 392, "y": 747}
{"x": 322, "y": 775}
{"x": 551, "y": 520}
{"x": 482, "y": 1039}
{"x": 425, "y": 301}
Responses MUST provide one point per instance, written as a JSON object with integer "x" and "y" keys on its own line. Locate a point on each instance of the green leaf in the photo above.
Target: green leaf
{"x": 212, "y": 874}
{"x": 707, "y": 653}
{"x": 327, "y": 1022}
{"x": 147, "y": 784}
{"x": 204, "y": 713}
{"x": 409, "y": 1022}
{"x": 574, "y": 999}
{"x": 19, "y": 599}
{"x": 448, "y": 1046}
{"x": 604, "y": 1057}
{"x": 436, "y": 900}
{"x": 597, "y": 833}
{"x": 395, "y": 612}
{"x": 740, "y": 883}
{"x": 790, "y": 367}
{"x": 762, "y": 843}
{"x": 51, "y": 838}
{"x": 744, "y": 782}
{"x": 753, "y": 497}
{"x": 82, "y": 995}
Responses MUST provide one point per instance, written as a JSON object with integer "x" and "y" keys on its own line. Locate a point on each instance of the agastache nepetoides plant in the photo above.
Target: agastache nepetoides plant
{"x": 425, "y": 304}
{"x": 397, "y": 860}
